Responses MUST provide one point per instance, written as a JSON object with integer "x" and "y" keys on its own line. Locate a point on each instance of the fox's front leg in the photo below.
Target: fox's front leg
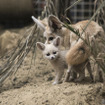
{"x": 59, "y": 74}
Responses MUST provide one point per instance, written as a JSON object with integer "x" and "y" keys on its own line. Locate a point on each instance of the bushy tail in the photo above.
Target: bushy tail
{"x": 78, "y": 54}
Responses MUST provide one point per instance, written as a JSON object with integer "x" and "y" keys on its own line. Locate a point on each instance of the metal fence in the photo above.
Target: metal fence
{"x": 82, "y": 11}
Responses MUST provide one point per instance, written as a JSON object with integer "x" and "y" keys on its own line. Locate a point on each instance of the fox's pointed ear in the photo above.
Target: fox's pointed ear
{"x": 41, "y": 26}
{"x": 56, "y": 41}
{"x": 54, "y": 23}
{"x": 40, "y": 45}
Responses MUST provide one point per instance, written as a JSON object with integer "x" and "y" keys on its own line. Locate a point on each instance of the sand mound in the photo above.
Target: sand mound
{"x": 32, "y": 85}
{"x": 8, "y": 41}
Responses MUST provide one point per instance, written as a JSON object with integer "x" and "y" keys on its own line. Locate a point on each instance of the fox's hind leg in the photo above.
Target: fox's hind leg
{"x": 99, "y": 71}
{"x": 81, "y": 76}
{"x": 73, "y": 75}
{"x": 68, "y": 74}
{"x": 90, "y": 70}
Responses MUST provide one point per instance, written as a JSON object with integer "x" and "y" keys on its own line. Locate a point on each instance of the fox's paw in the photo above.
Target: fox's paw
{"x": 56, "y": 82}
{"x": 66, "y": 80}
{"x": 71, "y": 79}
{"x": 78, "y": 79}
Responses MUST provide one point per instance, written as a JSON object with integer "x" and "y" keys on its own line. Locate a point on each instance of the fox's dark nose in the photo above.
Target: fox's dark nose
{"x": 52, "y": 58}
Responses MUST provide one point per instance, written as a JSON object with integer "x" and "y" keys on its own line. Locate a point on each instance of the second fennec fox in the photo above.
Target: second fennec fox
{"x": 58, "y": 61}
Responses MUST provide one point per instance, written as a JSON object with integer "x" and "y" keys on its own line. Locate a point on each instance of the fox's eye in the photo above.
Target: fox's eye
{"x": 48, "y": 54}
{"x": 54, "y": 52}
{"x": 51, "y": 38}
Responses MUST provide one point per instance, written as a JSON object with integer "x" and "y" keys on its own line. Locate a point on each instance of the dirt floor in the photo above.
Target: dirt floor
{"x": 32, "y": 85}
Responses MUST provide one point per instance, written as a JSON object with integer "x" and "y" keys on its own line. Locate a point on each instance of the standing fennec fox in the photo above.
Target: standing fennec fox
{"x": 54, "y": 27}
{"x": 55, "y": 56}
{"x": 58, "y": 61}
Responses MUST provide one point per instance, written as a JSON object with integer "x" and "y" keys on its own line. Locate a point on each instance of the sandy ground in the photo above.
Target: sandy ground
{"x": 32, "y": 85}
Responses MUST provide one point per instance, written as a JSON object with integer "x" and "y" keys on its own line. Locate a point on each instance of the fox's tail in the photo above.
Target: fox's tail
{"x": 78, "y": 54}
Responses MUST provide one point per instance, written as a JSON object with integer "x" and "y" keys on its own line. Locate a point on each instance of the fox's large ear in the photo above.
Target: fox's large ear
{"x": 40, "y": 45}
{"x": 56, "y": 41}
{"x": 41, "y": 26}
{"x": 54, "y": 23}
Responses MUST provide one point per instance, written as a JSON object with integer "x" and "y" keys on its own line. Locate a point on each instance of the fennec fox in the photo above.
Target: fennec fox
{"x": 55, "y": 28}
{"x": 57, "y": 59}
{"x": 55, "y": 56}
